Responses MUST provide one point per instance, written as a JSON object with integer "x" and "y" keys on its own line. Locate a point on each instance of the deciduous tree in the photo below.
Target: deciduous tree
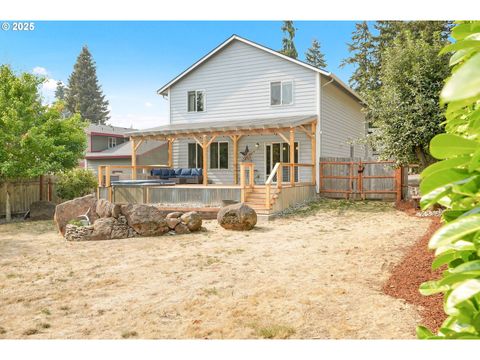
{"x": 35, "y": 139}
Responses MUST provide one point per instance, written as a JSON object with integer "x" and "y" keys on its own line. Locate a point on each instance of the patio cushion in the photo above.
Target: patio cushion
{"x": 186, "y": 172}
{"x": 196, "y": 172}
{"x": 177, "y": 172}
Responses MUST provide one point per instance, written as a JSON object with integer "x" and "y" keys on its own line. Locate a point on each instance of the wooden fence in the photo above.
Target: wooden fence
{"x": 355, "y": 178}
{"x": 23, "y": 192}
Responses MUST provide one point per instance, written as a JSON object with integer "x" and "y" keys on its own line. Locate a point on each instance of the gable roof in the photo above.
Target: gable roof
{"x": 162, "y": 90}
{"x": 124, "y": 150}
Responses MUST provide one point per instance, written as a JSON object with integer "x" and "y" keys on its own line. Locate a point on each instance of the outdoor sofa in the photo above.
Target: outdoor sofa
{"x": 179, "y": 175}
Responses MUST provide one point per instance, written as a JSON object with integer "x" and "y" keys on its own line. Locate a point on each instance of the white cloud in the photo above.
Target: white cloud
{"x": 48, "y": 90}
{"x": 148, "y": 104}
{"x": 39, "y": 70}
{"x": 49, "y": 85}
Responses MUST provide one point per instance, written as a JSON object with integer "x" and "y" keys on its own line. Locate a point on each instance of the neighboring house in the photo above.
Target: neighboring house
{"x": 109, "y": 145}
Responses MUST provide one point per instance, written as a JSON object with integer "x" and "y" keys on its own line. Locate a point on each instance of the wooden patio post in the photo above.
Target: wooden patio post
{"x": 170, "y": 160}
{"x": 292, "y": 156}
{"x": 235, "y": 158}
{"x": 134, "y": 159}
{"x": 205, "y": 153}
{"x": 313, "y": 144}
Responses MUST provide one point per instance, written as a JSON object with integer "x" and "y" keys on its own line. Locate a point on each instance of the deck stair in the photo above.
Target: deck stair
{"x": 256, "y": 198}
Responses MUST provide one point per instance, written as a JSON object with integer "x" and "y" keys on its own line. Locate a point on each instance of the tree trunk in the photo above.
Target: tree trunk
{"x": 8, "y": 209}
{"x": 421, "y": 157}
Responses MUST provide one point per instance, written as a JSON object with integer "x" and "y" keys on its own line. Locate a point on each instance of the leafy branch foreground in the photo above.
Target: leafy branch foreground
{"x": 454, "y": 182}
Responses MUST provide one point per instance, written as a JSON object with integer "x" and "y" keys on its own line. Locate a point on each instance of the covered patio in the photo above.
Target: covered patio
{"x": 285, "y": 138}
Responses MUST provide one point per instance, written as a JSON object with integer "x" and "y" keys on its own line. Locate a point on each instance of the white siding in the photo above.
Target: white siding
{"x": 236, "y": 82}
{"x": 225, "y": 176}
{"x": 341, "y": 122}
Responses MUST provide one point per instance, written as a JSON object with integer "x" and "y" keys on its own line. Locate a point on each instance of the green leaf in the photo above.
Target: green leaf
{"x": 462, "y": 293}
{"x": 423, "y": 333}
{"x": 442, "y": 178}
{"x": 445, "y": 164}
{"x": 460, "y": 245}
{"x": 464, "y": 44}
{"x": 432, "y": 287}
{"x": 444, "y": 258}
{"x": 470, "y": 266}
{"x": 447, "y": 145}
{"x": 461, "y": 31}
{"x": 455, "y": 230}
{"x": 433, "y": 196}
{"x": 465, "y": 82}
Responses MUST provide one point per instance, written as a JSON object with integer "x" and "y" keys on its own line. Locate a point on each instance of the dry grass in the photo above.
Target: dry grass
{"x": 316, "y": 273}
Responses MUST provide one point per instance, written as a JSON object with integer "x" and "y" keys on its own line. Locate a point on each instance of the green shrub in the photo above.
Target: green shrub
{"x": 454, "y": 182}
{"x": 75, "y": 183}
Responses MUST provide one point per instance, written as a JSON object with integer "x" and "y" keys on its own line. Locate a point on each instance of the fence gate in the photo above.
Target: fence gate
{"x": 360, "y": 179}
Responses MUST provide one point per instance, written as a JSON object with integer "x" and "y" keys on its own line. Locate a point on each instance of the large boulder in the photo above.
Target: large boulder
{"x": 193, "y": 220}
{"x": 71, "y": 209}
{"x": 237, "y": 217}
{"x": 145, "y": 220}
{"x": 42, "y": 210}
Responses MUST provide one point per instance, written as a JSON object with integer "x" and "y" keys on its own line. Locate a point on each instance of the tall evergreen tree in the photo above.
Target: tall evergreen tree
{"x": 60, "y": 91}
{"x": 288, "y": 35}
{"x": 362, "y": 56}
{"x": 314, "y": 56}
{"x": 84, "y": 94}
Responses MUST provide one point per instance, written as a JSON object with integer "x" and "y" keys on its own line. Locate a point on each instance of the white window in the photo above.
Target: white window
{"x": 196, "y": 101}
{"x": 281, "y": 93}
{"x": 195, "y": 155}
{"x": 112, "y": 142}
{"x": 219, "y": 155}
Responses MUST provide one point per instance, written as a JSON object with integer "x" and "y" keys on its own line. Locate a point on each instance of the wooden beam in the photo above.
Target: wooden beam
{"x": 301, "y": 127}
{"x": 313, "y": 144}
{"x": 283, "y": 137}
{"x": 292, "y": 156}
{"x": 205, "y": 160}
{"x": 198, "y": 141}
{"x": 170, "y": 148}
{"x": 211, "y": 140}
{"x": 138, "y": 144}
{"x": 235, "y": 139}
{"x": 134, "y": 159}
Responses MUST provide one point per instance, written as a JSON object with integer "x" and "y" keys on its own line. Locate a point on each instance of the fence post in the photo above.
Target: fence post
{"x": 398, "y": 183}
{"x": 49, "y": 189}
{"x": 40, "y": 188}
{"x": 360, "y": 180}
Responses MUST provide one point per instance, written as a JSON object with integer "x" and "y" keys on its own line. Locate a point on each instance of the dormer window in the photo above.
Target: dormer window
{"x": 112, "y": 142}
{"x": 196, "y": 101}
{"x": 281, "y": 93}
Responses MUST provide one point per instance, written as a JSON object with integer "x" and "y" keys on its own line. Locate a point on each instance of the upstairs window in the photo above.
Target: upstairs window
{"x": 196, "y": 101}
{"x": 281, "y": 93}
{"x": 219, "y": 155}
{"x": 112, "y": 142}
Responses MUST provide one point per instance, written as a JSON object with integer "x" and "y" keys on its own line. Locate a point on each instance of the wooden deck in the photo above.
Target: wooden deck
{"x": 197, "y": 196}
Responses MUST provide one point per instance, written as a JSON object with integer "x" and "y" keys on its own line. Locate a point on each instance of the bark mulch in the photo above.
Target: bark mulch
{"x": 414, "y": 269}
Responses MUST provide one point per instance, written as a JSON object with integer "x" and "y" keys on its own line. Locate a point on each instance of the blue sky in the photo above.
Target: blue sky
{"x": 135, "y": 58}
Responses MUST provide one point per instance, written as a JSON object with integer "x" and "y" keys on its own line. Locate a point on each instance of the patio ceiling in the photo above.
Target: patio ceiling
{"x": 219, "y": 128}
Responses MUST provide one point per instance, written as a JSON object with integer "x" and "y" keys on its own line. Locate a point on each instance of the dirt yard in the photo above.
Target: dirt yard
{"x": 314, "y": 274}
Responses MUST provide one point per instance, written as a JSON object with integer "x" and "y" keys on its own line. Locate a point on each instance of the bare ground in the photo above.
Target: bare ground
{"x": 315, "y": 274}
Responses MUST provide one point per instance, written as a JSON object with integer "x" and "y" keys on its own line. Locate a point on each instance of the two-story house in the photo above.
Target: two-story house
{"x": 246, "y": 109}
